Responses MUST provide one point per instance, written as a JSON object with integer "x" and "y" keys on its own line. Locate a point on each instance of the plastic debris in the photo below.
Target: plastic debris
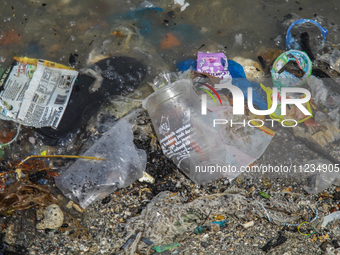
{"x": 332, "y": 59}
{"x": 324, "y": 174}
{"x": 248, "y": 224}
{"x": 330, "y": 217}
{"x": 214, "y": 64}
{"x": 181, "y": 129}
{"x": 221, "y": 223}
{"x": 44, "y": 89}
{"x": 271, "y": 244}
{"x": 170, "y": 218}
{"x": 291, "y": 69}
{"x": 182, "y": 4}
{"x": 293, "y": 43}
{"x": 147, "y": 178}
{"x": 263, "y": 194}
{"x": 165, "y": 247}
{"x": 239, "y": 79}
{"x": 128, "y": 242}
{"x": 243, "y": 145}
{"x": 124, "y": 164}
{"x": 132, "y": 238}
{"x": 309, "y": 234}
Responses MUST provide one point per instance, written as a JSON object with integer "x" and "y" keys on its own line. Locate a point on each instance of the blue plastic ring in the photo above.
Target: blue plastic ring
{"x": 289, "y": 38}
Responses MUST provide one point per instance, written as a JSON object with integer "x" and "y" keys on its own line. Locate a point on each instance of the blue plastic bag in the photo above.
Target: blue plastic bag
{"x": 240, "y": 80}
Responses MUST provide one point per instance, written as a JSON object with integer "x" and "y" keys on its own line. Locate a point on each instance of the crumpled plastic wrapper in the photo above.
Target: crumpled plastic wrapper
{"x": 23, "y": 194}
{"x": 332, "y": 59}
{"x": 87, "y": 181}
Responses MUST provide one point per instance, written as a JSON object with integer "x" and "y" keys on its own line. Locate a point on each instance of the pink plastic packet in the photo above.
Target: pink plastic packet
{"x": 215, "y": 64}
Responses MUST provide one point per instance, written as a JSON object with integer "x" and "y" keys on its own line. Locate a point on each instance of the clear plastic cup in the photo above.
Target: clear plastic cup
{"x": 186, "y": 136}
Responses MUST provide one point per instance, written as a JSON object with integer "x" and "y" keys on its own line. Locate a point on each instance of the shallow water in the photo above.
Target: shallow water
{"x": 54, "y": 29}
{"x": 92, "y": 30}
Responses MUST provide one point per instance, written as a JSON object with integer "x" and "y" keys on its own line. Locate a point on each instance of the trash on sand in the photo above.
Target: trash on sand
{"x": 87, "y": 181}
{"x": 36, "y": 92}
{"x": 215, "y": 226}
{"x": 170, "y": 219}
{"x": 23, "y": 194}
{"x": 147, "y": 178}
{"x": 248, "y": 224}
{"x": 325, "y": 175}
{"x": 242, "y": 146}
{"x": 330, "y": 217}
{"x": 132, "y": 238}
{"x": 186, "y": 64}
{"x": 291, "y": 69}
{"x": 57, "y": 156}
{"x": 165, "y": 247}
{"x": 175, "y": 111}
{"x": 308, "y": 234}
{"x": 272, "y": 244}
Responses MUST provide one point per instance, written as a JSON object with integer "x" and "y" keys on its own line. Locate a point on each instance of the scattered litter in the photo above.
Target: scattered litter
{"x": 238, "y": 38}
{"x": 165, "y": 247}
{"x": 42, "y": 95}
{"x": 291, "y": 69}
{"x": 330, "y": 217}
{"x": 181, "y": 129}
{"x": 292, "y": 112}
{"x": 132, "y": 239}
{"x": 147, "y": 178}
{"x": 271, "y": 244}
{"x": 303, "y": 233}
{"x": 168, "y": 218}
{"x": 182, "y": 4}
{"x": 292, "y": 43}
{"x": 332, "y": 59}
{"x": 248, "y": 224}
{"x": 122, "y": 166}
{"x": 215, "y": 64}
{"x": 323, "y": 175}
